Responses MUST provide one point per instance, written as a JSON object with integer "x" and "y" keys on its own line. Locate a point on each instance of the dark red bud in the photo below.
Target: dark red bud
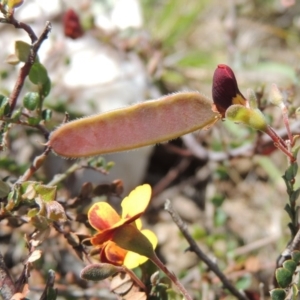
{"x": 225, "y": 91}
{"x": 72, "y": 26}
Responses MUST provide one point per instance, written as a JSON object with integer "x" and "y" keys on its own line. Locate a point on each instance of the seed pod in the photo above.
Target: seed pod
{"x": 135, "y": 126}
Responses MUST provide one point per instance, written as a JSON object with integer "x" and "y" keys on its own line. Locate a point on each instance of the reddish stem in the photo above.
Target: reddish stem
{"x": 280, "y": 143}
{"x": 287, "y": 124}
{"x": 172, "y": 276}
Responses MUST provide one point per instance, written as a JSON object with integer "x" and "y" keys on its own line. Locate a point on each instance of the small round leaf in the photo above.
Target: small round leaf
{"x": 278, "y": 294}
{"x": 31, "y": 100}
{"x": 38, "y": 74}
{"x": 283, "y": 277}
{"x": 290, "y": 265}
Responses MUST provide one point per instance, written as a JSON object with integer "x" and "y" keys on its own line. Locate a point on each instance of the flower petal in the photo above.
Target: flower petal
{"x": 113, "y": 254}
{"x": 136, "y": 203}
{"x": 102, "y": 237}
{"x": 102, "y": 216}
{"x": 225, "y": 91}
{"x": 132, "y": 259}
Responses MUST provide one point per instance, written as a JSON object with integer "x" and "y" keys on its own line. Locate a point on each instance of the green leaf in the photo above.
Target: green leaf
{"x": 47, "y": 193}
{"x": 290, "y": 265}
{"x": 4, "y": 105}
{"x": 46, "y": 87}
{"x": 288, "y": 209}
{"x": 16, "y": 114}
{"x": 295, "y": 292}
{"x": 32, "y": 212}
{"x": 283, "y": 277}
{"x": 278, "y": 294}
{"x": 31, "y": 100}
{"x": 244, "y": 282}
{"x": 33, "y": 121}
{"x": 4, "y": 189}
{"x": 291, "y": 172}
{"x": 46, "y": 114}
{"x": 294, "y": 195}
{"x": 296, "y": 256}
{"x": 22, "y": 50}
{"x": 38, "y": 74}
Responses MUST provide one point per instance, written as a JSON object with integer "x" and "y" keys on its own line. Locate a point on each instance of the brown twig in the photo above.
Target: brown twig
{"x": 7, "y": 286}
{"x": 195, "y": 248}
{"x": 172, "y": 276}
{"x": 171, "y": 176}
{"x": 40, "y": 127}
{"x": 35, "y": 165}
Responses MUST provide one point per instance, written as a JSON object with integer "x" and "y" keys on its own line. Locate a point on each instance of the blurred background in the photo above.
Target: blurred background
{"x": 225, "y": 182}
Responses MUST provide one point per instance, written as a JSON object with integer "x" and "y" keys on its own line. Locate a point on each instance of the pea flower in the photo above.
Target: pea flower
{"x": 225, "y": 91}
{"x": 108, "y": 223}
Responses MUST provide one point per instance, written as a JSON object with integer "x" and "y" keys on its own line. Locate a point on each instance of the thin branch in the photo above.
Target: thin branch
{"x": 40, "y": 127}
{"x": 7, "y": 286}
{"x": 246, "y": 150}
{"x": 195, "y": 248}
{"x": 171, "y": 176}
{"x": 24, "y": 71}
{"x": 287, "y": 252}
{"x": 35, "y": 165}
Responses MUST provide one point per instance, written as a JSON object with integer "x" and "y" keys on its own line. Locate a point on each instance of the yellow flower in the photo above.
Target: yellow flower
{"x": 107, "y": 222}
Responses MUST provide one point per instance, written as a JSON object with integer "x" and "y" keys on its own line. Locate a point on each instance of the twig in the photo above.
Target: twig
{"x": 287, "y": 252}
{"x": 200, "y": 152}
{"x": 195, "y": 248}
{"x": 172, "y": 276}
{"x": 7, "y": 287}
{"x": 60, "y": 177}
{"x": 171, "y": 176}
{"x": 40, "y": 127}
{"x": 35, "y": 165}
{"x": 49, "y": 286}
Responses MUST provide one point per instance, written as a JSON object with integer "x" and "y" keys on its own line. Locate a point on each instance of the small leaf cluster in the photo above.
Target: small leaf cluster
{"x": 291, "y": 208}
{"x": 288, "y": 279}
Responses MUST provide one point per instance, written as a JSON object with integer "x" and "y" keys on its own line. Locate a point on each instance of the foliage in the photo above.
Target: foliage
{"x": 40, "y": 210}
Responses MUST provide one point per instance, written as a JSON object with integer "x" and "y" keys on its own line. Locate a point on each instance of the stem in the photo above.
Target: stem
{"x": 60, "y": 177}
{"x": 195, "y": 248}
{"x": 36, "y": 43}
{"x": 279, "y": 143}
{"x": 172, "y": 276}
{"x": 35, "y": 165}
{"x": 287, "y": 123}
{"x": 7, "y": 286}
{"x": 135, "y": 278}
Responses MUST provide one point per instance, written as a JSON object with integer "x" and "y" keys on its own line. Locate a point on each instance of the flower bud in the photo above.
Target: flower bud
{"x": 97, "y": 272}
{"x": 225, "y": 91}
{"x": 276, "y": 96}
